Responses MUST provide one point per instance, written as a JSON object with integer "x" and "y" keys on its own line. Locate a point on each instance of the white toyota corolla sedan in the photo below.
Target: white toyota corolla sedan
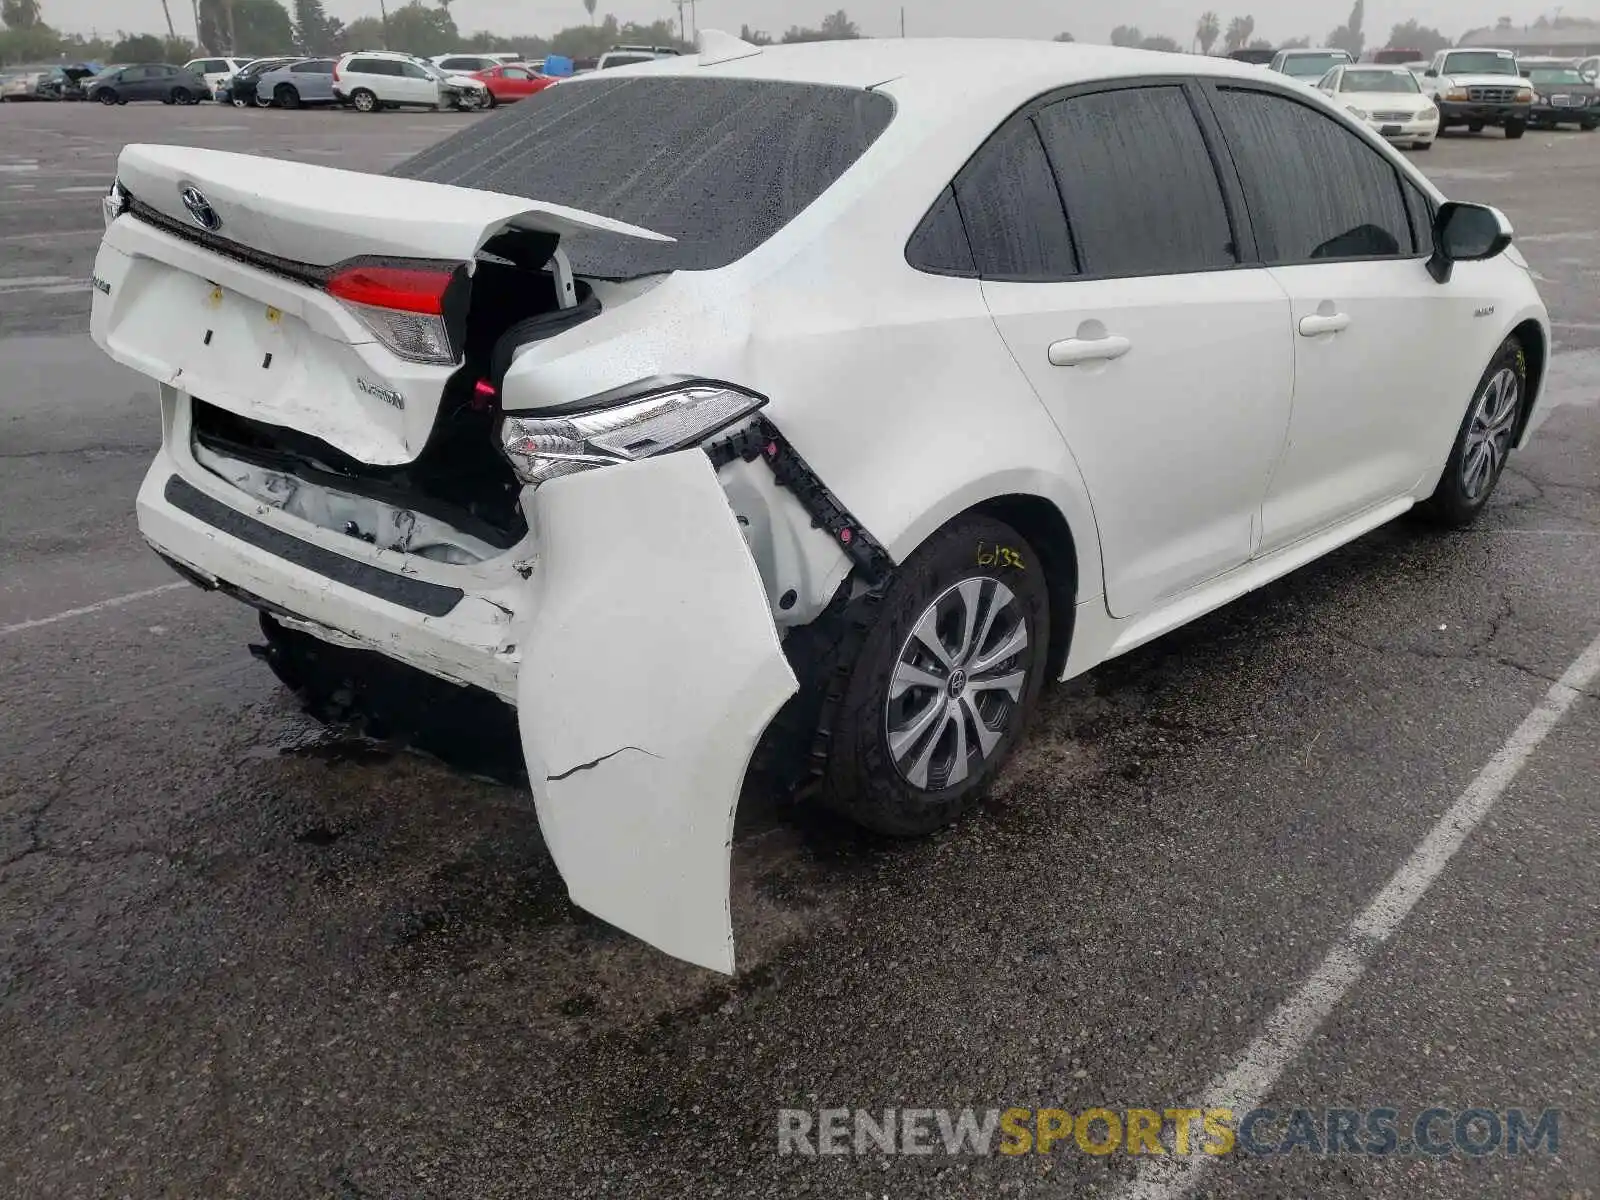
{"x": 792, "y": 396}
{"x": 1388, "y": 99}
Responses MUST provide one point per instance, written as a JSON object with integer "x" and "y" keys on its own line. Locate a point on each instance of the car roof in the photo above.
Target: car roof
{"x": 998, "y": 74}
{"x": 998, "y": 65}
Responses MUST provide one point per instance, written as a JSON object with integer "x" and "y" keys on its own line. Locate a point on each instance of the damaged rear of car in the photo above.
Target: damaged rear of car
{"x": 498, "y": 416}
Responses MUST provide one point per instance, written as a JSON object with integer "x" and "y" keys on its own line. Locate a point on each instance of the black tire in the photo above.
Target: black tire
{"x": 364, "y": 101}
{"x": 1515, "y": 129}
{"x": 1474, "y": 126}
{"x": 1423, "y": 146}
{"x": 1455, "y": 503}
{"x": 285, "y": 96}
{"x": 847, "y": 660}
{"x": 182, "y": 96}
{"x": 106, "y": 96}
{"x": 492, "y": 102}
{"x": 1591, "y": 126}
{"x": 261, "y": 101}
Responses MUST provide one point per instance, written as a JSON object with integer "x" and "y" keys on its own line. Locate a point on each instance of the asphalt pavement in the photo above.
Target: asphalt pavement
{"x": 242, "y": 955}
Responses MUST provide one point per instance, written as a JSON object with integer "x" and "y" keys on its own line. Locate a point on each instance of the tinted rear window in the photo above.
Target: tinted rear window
{"x": 719, "y": 164}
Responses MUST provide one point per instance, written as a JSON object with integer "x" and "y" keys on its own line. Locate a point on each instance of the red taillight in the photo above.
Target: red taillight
{"x": 415, "y": 309}
{"x": 336, "y": 72}
{"x": 402, "y": 289}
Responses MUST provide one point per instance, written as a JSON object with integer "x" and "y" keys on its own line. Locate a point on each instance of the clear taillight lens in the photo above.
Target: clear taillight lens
{"x": 544, "y": 448}
{"x": 115, "y": 203}
{"x": 407, "y": 306}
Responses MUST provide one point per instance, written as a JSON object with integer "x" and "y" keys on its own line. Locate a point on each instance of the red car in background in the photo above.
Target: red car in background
{"x": 512, "y": 83}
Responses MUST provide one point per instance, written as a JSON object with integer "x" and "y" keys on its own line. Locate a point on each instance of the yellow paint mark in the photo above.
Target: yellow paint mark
{"x": 273, "y": 315}
{"x": 999, "y": 556}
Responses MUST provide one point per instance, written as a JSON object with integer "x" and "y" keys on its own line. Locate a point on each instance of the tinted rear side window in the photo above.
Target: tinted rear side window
{"x": 1315, "y": 189}
{"x": 1012, "y": 210}
{"x": 1141, "y": 192}
{"x": 940, "y": 243}
{"x": 719, "y": 164}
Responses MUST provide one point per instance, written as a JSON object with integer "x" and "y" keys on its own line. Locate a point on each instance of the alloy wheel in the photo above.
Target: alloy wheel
{"x": 956, "y": 683}
{"x": 1490, "y": 432}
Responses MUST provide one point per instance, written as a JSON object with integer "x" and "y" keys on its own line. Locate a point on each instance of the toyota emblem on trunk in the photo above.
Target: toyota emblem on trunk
{"x": 200, "y": 210}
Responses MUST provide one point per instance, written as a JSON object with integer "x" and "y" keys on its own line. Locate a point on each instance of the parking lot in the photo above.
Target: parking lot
{"x": 240, "y": 955}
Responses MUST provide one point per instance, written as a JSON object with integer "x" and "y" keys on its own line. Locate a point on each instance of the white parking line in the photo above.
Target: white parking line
{"x": 50, "y": 235}
{"x": 114, "y": 602}
{"x": 1292, "y": 1026}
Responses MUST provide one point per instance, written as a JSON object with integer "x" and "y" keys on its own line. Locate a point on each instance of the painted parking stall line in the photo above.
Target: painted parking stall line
{"x": 1291, "y": 1027}
{"x": 89, "y": 609}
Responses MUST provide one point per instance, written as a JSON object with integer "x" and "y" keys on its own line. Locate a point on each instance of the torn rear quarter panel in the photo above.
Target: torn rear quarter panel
{"x": 649, "y": 671}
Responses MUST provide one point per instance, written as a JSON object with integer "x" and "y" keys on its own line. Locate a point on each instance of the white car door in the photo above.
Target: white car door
{"x": 1164, "y": 363}
{"x": 416, "y": 86}
{"x": 1348, "y": 237}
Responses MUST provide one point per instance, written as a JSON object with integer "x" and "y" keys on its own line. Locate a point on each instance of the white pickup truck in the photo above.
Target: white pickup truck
{"x": 1476, "y": 88}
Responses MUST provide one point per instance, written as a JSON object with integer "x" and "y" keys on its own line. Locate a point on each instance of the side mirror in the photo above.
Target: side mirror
{"x": 1466, "y": 233}
{"x": 1430, "y": 73}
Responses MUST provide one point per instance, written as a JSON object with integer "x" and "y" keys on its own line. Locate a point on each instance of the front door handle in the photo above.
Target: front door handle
{"x": 1319, "y": 323}
{"x": 1075, "y": 351}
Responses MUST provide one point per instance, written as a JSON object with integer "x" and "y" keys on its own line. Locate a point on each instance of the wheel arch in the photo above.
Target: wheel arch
{"x": 1050, "y": 535}
{"x": 1530, "y": 333}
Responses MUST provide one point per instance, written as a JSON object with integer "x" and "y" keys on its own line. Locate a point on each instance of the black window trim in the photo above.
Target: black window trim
{"x": 1212, "y": 85}
{"x": 1244, "y": 242}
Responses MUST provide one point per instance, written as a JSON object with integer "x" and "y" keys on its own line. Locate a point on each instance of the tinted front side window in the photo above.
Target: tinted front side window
{"x": 719, "y": 164}
{"x": 1315, "y": 190}
{"x": 1141, "y": 193}
{"x": 1012, "y": 210}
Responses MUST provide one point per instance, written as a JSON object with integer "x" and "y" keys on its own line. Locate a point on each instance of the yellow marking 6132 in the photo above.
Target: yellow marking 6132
{"x": 999, "y": 556}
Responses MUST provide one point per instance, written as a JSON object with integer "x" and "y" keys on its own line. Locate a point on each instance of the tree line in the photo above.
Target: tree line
{"x": 1240, "y": 34}
{"x": 252, "y": 28}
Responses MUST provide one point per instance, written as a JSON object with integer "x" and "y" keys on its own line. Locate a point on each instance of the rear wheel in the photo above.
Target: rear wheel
{"x": 106, "y": 96}
{"x": 1515, "y": 129}
{"x": 286, "y": 96}
{"x": 1484, "y": 440}
{"x": 916, "y": 713}
{"x": 364, "y": 101}
{"x": 182, "y": 96}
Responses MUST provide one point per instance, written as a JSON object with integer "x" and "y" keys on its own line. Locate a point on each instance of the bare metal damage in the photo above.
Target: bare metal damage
{"x": 385, "y": 525}
{"x": 651, "y": 667}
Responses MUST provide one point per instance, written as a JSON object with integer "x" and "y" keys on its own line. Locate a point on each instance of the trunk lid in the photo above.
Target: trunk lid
{"x": 213, "y": 284}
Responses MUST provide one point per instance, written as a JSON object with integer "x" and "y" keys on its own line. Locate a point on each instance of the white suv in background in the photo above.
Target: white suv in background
{"x": 628, "y": 56}
{"x": 370, "y": 80}
{"x": 470, "y": 62}
{"x": 216, "y": 71}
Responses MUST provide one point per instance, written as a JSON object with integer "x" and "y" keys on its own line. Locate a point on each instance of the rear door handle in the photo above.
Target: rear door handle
{"x": 1074, "y": 351}
{"x": 1317, "y": 323}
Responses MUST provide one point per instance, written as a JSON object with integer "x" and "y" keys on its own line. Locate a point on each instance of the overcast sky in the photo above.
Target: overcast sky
{"x": 1275, "y": 19}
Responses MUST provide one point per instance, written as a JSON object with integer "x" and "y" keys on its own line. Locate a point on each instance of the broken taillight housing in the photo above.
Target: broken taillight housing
{"x": 640, "y": 425}
{"x": 416, "y": 309}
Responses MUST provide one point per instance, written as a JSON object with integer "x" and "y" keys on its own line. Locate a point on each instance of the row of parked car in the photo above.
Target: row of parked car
{"x": 368, "y": 80}
{"x": 1409, "y": 100}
